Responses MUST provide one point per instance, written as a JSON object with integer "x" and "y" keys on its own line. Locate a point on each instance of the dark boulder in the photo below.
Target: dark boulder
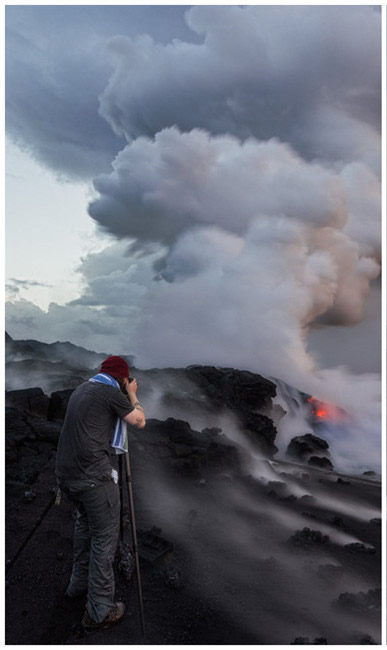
{"x": 235, "y": 388}
{"x": 190, "y": 453}
{"x": 30, "y": 442}
{"x": 301, "y": 446}
{"x": 358, "y": 547}
{"x": 152, "y": 547}
{"x": 28, "y": 399}
{"x": 260, "y": 430}
{"x": 320, "y": 461}
{"x": 312, "y": 449}
{"x": 180, "y": 433}
{"x": 361, "y": 601}
{"x": 306, "y": 538}
{"x": 17, "y": 429}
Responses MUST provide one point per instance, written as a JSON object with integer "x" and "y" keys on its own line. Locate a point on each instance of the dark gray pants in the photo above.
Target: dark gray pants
{"x": 95, "y": 542}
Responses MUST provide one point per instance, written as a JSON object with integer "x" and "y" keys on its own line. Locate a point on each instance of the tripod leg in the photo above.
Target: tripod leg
{"x": 120, "y": 474}
{"x": 134, "y": 538}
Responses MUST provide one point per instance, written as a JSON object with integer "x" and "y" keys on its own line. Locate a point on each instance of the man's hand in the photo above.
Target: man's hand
{"x": 131, "y": 387}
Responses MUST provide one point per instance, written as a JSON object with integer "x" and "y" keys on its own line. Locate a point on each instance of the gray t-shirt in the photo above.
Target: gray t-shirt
{"x": 84, "y": 455}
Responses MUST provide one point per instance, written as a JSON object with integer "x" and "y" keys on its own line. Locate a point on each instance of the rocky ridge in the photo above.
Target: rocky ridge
{"x": 230, "y": 539}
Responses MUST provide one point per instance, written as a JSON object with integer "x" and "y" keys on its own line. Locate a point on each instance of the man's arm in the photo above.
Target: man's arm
{"x": 137, "y": 416}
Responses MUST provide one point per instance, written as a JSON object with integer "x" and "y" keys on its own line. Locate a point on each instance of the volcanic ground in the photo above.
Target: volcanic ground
{"x": 236, "y": 546}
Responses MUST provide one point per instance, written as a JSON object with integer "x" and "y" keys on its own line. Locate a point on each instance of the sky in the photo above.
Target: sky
{"x": 198, "y": 185}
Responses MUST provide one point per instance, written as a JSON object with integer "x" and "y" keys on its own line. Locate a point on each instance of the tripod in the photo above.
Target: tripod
{"x": 128, "y": 479}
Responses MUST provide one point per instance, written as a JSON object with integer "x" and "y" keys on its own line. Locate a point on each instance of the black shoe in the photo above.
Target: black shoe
{"x": 114, "y": 615}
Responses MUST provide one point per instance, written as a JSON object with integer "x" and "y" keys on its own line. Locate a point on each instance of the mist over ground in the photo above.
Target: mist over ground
{"x": 235, "y": 532}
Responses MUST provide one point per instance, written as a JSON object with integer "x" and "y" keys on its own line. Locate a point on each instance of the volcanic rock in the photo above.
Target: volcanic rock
{"x": 302, "y": 446}
{"x": 189, "y": 452}
{"x": 308, "y": 498}
{"x": 152, "y": 547}
{"x": 126, "y": 563}
{"x": 17, "y": 429}
{"x": 337, "y": 521}
{"x": 306, "y": 538}
{"x": 358, "y": 547}
{"x": 310, "y": 448}
{"x": 236, "y": 388}
{"x": 202, "y": 471}
{"x": 29, "y": 442}
{"x": 173, "y": 578}
{"x": 361, "y": 601}
{"x": 28, "y": 399}
{"x": 320, "y": 461}
{"x": 260, "y": 430}
{"x": 246, "y": 394}
{"x": 180, "y": 433}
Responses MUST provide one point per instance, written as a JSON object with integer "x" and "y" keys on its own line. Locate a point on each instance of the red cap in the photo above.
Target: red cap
{"x": 116, "y": 367}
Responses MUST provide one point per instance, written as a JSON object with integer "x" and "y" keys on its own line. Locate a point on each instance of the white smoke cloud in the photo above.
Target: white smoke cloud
{"x": 249, "y": 192}
{"x": 164, "y": 186}
{"x": 289, "y": 219}
{"x": 297, "y": 73}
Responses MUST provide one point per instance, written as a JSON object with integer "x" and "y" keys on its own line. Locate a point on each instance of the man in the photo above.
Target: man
{"x": 93, "y": 433}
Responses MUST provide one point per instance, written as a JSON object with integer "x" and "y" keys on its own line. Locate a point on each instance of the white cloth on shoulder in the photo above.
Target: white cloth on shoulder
{"x": 120, "y": 438}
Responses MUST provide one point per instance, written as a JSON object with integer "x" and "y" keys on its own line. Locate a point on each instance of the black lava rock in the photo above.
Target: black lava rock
{"x": 306, "y": 538}
{"x": 320, "y": 461}
{"x": 362, "y": 601}
{"x": 301, "y": 446}
{"x": 358, "y": 547}
{"x": 32, "y": 400}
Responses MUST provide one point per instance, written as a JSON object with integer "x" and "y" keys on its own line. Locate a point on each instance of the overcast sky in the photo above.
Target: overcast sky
{"x": 197, "y": 184}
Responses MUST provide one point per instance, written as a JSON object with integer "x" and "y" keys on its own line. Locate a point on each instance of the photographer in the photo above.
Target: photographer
{"x": 93, "y": 433}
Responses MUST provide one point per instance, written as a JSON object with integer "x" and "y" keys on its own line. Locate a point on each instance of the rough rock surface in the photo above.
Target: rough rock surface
{"x": 190, "y": 452}
{"x": 237, "y": 389}
{"x": 310, "y": 448}
{"x": 320, "y": 461}
{"x": 28, "y": 399}
{"x": 217, "y": 566}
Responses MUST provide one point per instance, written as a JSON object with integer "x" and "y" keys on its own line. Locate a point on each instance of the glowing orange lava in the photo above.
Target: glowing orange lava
{"x": 326, "y": 411}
